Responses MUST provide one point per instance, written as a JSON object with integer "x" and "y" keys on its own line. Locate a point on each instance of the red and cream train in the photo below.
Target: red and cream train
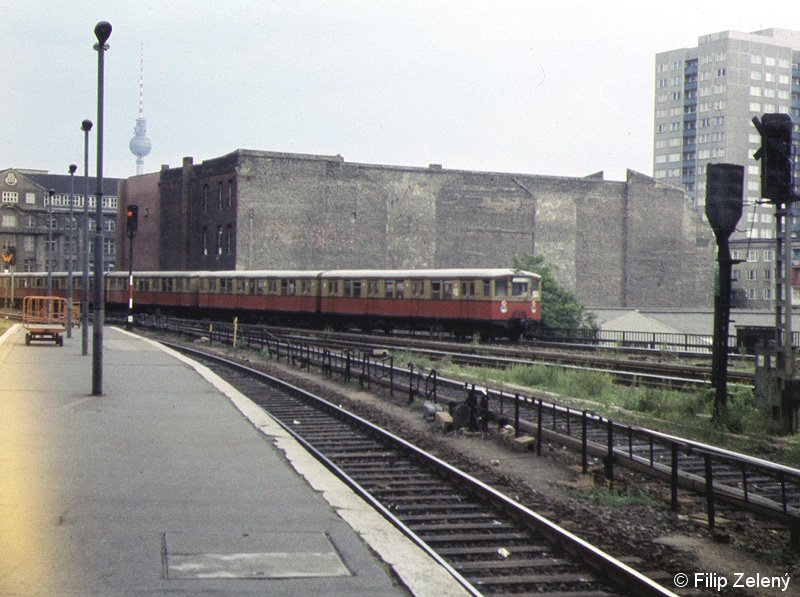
{"x": 491, "y": 302}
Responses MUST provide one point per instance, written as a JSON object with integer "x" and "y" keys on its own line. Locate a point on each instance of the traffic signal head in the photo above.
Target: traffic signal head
{"x": 724, "y": 184}
{"x": 775, "y": 155}
{"x": 131, "y": 220}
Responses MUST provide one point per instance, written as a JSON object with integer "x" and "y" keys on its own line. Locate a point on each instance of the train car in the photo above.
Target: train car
{"x": 154, "y": 290}
{"x": 23, "y": 284}
{"x": 492, "y": 302}
{"x": 268, "y": 296}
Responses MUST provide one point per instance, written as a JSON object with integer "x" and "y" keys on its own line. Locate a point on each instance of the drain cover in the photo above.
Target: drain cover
{"x": 250, "y": 555}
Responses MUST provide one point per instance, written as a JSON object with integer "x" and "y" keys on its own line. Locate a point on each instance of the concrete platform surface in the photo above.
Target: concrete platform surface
{"x": 172, "y": 482}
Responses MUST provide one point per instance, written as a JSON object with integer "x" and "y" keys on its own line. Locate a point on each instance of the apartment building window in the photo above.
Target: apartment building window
{"x": 10, "y": 197}
{"x": 752, "y": 275}
{"x": 767, "y": 294}
{"x": 752, "y": 256}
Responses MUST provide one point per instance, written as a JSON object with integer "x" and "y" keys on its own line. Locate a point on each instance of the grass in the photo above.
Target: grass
{"x": 5, "y": 324}
{"x": 619, "y": 499}
{"x": 745, "y": 428}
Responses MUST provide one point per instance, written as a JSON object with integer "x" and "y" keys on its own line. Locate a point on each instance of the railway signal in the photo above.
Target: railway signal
{"x": 131, "y": 220}
{"x": 131, "y": 224}
{"x": 775, "y": 155}
{"x": 779, "y": 386}
{"x": 724, "y": 183}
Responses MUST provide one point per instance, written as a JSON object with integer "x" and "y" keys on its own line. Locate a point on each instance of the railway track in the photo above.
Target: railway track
{"x": 743, "y": 482}
{"x": 490, "y": 543}
{"x": 639, "y": 369}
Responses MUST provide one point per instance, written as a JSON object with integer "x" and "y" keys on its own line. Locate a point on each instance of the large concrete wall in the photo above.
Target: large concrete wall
{"x": 635, "y": 243}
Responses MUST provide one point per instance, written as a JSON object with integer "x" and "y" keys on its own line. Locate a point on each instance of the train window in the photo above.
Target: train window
{"x": 357, "y": 288}
{"x": 333, "y": 287}
{"x": 348, "y": 288}
{"x": 449, "y": 290}
{"x": 389, "y": 285}
{"x": 169, "y": 284}
{"x": 468, "y": 288}
{"x": 436, "y": 289}
{"x": 399, "y": 289}
{"x": 241, "y": 286}
{"x": 487, "y": 288}
{"x": 519, "y": 288}
{"x": 372, "y": 288}
{"x": 251, "y": 286}
{"x": 287, "y": 287}
{"x": 272, "y": 286}
{"x": 418, "y": 288}
{"x": 305, "y": 287}
{"x": 501, "y": 287}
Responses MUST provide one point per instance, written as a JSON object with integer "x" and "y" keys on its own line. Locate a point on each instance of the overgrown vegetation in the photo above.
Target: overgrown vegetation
{"x": 629, "y": 496}
{"x": 560, "y": 308}
{"x": 688, "y": 414}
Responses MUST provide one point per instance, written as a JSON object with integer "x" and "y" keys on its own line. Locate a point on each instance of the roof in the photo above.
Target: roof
{"x": 682, "y": 321}
{"x": 60, "y": 183}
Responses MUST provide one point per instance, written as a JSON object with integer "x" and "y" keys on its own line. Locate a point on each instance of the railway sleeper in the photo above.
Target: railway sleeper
{"x": 510, "y": 564}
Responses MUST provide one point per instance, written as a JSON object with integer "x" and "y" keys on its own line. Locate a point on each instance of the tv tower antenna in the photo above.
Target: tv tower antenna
{"x": 140, "y": 144}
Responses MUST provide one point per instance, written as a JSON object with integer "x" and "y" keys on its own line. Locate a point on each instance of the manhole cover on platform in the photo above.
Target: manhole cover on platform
{"x": 250, "y": 555}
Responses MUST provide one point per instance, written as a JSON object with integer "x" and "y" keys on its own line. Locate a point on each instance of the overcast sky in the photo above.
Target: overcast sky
{"x": 560, "y": 88}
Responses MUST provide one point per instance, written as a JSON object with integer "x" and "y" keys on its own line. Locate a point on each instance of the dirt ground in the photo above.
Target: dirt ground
{"x": 644, "y": 533}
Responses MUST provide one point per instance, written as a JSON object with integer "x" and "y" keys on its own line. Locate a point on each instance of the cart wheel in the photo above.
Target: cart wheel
{"x": 27, "y": 339}
{"x": 60, "y": 340}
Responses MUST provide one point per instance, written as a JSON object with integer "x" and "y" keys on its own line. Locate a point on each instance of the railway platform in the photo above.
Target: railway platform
{"x": 171, "y": 482}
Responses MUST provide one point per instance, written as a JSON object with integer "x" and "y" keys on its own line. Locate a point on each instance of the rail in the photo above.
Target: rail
{"x": 767, "y": 488}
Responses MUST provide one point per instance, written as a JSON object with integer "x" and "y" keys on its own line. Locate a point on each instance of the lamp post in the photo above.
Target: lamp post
{"x": 49, "y": 249}
{"x": 86, "y": 126}
{"x": 70, "y": 245}
{"x": 102, "y": 31}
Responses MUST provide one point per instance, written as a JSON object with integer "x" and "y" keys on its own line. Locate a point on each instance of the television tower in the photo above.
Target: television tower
{"x": 140, "y": 144}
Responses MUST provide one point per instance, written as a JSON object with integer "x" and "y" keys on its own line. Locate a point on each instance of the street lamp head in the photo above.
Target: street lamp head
{"x": 72, "y": 168}
{"x": 51, "y": 192}
{"x": 102, "y": 32}
{"x": 86, "y": 125}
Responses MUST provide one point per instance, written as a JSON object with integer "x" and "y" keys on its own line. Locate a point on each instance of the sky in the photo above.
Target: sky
{"x": 561, "y": 88}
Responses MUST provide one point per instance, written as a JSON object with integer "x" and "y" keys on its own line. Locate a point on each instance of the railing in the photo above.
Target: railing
{"x": 770, "y": 489}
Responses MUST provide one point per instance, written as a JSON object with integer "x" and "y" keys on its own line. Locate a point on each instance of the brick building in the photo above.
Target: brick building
{"x": 636, "y": 243}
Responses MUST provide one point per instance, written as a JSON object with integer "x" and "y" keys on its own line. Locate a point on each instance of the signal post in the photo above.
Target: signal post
{"x": 778, "y": 387}
{"x": 131, "y": 224}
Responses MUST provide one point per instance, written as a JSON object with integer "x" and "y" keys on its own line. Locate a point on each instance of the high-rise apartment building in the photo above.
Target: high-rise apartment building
{"x": 705, "y": 100}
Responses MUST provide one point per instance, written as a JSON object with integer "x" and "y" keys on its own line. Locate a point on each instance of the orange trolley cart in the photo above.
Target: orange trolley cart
{"x": 45, "y": 318}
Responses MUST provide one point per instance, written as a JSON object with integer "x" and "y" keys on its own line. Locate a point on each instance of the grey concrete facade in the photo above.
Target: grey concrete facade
{"x": 636, "y": 243}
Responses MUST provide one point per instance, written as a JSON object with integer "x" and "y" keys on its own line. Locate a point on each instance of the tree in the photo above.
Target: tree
{"x": 560, "y": 308}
